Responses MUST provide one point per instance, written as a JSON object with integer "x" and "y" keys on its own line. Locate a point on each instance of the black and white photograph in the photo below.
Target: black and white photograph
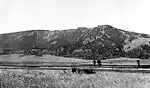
{"x": 74, "y": 43}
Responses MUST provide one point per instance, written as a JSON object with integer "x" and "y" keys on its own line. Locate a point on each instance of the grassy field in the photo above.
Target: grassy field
{"x": 33, "y": 58}
{"x": 54, "y": 60}
{"x": 67, "y": 79}
{"x": 40, "y": 61}
{"x": 25, "y": 78}
{"x": 50, "y": 58}
{"x": 127, "y": 61}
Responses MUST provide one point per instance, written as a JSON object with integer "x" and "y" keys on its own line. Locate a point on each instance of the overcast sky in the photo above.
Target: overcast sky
{"x": 20, "y": 15}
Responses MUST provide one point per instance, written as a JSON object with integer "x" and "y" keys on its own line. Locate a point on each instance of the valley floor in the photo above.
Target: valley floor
{"x": 48, "y": 62}
{"x": 105, "y": 77}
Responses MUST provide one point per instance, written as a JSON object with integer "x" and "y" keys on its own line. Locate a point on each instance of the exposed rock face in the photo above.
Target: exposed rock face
{"x": 101, "y": 40}
{"x": 136, "y": 43}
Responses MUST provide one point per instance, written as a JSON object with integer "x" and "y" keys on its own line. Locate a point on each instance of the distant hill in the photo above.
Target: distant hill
{"x": 89, "y": 43}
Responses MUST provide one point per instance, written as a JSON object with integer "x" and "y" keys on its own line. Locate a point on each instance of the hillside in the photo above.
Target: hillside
{"x": 89, "y": 43}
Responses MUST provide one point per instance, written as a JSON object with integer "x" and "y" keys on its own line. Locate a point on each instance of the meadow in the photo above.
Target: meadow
{"x": 66, "y": 79}
{"x": 33, "y": 58}
{"x": 35, "y": 78}
{"x": 55, "y": 60}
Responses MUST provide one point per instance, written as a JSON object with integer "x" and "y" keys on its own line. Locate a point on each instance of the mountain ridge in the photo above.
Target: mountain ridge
{"x": 82, "y": 42}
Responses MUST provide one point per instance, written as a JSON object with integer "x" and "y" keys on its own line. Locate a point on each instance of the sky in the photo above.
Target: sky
{"x": 22, "y": 15}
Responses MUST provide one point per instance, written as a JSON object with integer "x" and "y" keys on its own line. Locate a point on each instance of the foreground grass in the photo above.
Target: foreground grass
{"x": 66, "y": 79}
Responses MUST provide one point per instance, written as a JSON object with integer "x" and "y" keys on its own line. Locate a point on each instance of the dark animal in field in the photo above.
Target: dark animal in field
{"x": 74, "y": 70}
{"x": 79, "y": 71}
{"x": 86, "y": 71}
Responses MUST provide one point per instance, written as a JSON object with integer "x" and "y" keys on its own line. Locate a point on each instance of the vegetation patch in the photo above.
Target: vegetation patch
{"x": 66, "y": 79}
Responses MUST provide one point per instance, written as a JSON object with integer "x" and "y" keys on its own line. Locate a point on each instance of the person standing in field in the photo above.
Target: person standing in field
{"x": 94, "y": 62}
{"x": 99, "y": 63}
{"x": 138, "y": 62}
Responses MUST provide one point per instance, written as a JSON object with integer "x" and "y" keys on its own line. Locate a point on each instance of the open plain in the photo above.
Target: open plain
{"x": 106, "y": 76}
